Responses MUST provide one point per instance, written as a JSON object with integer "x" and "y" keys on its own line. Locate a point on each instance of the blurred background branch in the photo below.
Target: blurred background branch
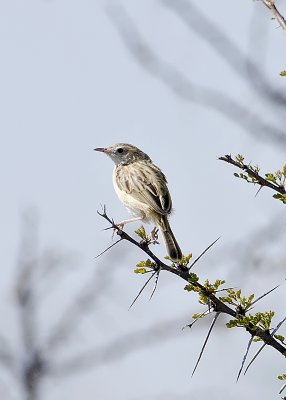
{"x": 188, "y": 91}
{"x": 276, "y": 13}
{"x": 41, "y": 357}
{"x": 240, "y": 63}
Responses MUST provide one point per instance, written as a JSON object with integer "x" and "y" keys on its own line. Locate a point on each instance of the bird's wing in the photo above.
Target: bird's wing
{"x": 147, "y": 184}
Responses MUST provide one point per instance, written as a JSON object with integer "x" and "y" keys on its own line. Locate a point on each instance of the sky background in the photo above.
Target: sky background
{"x": 70, "y": 84}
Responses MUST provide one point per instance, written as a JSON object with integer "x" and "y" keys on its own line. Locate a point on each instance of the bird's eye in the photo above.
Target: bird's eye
{"x": 120, "y": 150}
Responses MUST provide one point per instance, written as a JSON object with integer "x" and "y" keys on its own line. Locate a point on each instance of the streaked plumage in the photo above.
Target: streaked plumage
{"x": 142, "y": 187}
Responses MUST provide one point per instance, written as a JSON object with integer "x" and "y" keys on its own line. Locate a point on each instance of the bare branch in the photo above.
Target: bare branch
{"x": 276, "y": 14}
{"x": 208, "y": 30}
{"x": 183, "y": 88}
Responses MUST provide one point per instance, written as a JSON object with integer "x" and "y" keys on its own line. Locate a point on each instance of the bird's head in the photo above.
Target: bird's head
{"x": 123, "y": 153}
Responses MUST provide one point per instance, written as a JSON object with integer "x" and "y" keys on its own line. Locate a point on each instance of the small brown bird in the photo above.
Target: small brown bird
{"x": 142, "y": 188}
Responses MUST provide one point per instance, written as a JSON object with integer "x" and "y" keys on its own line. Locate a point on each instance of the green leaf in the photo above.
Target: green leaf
{"x": 281, "y": 197}
{"x": 146, "y": 263}
{"x": 270, "y": 177}
{"x": 193, "y": 277}
{"x": 141, "y": 232}
{"x": 140, "y": 271}
{"x": 186, "y": 259}
{"x": 280, "y": 338}
{"x": 240, "y": 158}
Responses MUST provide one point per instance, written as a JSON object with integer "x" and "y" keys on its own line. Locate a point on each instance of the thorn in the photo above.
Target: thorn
{"x": 264, "y": 344}
{"x": 258, "y": 190}
{"x": 244, "y": 357}
{"x": 206, "y": 340}
{"x": 265, "y": 294}
{"x": 108, "y": 248}
{"x": 197, "y": 259}
{"x": 197, "y": 319}
{"x": 141, "y": 290}
{"x": 155, "y": 286}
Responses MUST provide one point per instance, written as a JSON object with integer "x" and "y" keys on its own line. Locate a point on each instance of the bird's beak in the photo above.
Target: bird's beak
{"x": 102, "y": 149}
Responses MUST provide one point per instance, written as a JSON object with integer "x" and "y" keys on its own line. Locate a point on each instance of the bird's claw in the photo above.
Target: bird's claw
{"x": 118, "y": 227}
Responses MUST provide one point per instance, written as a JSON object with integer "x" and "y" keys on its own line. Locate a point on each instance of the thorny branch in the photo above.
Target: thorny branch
{"x": 276, "y": 13}
{"x": 217, "y": 305}
{"x": 262, "y": 347}
{"x": 261, "y": 181}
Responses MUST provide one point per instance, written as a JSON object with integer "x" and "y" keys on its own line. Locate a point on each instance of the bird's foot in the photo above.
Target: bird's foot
{"x": 119, "y": 227}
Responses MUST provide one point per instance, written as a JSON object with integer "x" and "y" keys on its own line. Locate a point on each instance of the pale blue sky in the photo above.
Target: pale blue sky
{"x": 68, "y": 84}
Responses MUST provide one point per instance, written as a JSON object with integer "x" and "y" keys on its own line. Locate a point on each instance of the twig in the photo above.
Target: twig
{"x": 261, "y": 181}
{"x": 264, "y": 344}
{"x": 276, "y": 14}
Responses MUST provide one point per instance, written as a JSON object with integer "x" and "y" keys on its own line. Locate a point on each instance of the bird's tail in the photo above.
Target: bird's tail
{"x": 171, "y": 243}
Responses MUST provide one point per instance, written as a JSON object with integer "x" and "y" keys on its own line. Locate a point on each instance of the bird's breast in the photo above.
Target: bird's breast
{"x": 124, "y": 193}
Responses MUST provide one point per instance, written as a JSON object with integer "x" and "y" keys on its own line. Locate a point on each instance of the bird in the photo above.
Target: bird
{"x": 142, "y": 188}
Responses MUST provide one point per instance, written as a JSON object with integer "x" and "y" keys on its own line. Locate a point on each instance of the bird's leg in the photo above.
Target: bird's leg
{"x": 127, "y": 221}
{"x": 121, "y": 224}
